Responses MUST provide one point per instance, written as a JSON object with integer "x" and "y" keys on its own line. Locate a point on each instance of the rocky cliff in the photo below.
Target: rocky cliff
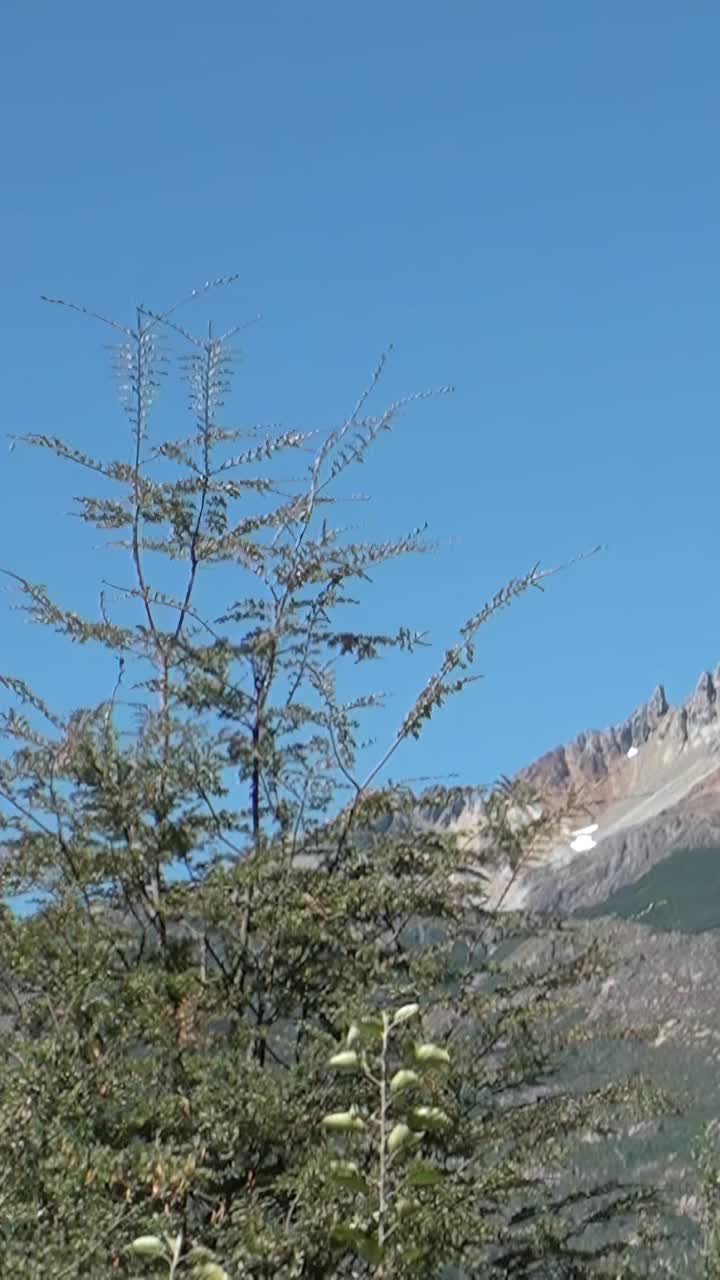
{"x": 625, "y": 798}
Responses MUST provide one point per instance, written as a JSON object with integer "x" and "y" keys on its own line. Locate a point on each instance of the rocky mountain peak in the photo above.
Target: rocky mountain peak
{"x": 645, "y": 788}
{"x": 651, "y": 785}
{"x": 702, "y": 706}
{"x": 596, "y": 756}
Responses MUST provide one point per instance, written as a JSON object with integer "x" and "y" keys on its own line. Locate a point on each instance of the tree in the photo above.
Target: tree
{"x": 193, "y": 963}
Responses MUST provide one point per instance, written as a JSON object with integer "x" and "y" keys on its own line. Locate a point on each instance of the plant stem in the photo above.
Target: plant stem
{"x": 383, "y": 1141}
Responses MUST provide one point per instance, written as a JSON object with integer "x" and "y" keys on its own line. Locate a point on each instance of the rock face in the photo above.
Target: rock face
{"x": 648, "y": 787}
{"x": 598, "y": 756}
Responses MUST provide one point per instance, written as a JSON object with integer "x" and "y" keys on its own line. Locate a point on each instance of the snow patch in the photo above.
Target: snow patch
{"x": 582, "y": 840}
{"x": 582, "y": 844}
{"x": 632, "y": 753}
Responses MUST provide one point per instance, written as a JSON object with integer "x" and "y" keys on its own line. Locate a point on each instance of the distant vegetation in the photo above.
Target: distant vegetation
{"x": 681, "y": 892}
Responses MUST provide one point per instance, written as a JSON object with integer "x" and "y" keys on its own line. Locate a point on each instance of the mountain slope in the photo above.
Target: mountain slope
{"x": 640, "y": 791}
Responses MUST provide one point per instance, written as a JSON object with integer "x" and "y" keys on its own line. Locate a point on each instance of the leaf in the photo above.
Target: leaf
{"x": 347, "y": 1174}
{"x": 424, "y": 1175}
{"x": 365, "y": 1243}
{"x": 371, "y": 1028}
{"x": 369, "y": 1248}
{"x": 343, "y": 1234}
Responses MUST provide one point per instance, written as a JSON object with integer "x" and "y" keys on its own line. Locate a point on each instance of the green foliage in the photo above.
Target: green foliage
{"x": 224, "y": 882}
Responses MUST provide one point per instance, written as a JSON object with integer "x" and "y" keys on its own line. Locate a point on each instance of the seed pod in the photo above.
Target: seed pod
{"x": 404, "y": 1013}
{"x": 346, "y": 1059}
{"x": 343, "y": 1122}
{"x": 428, "y": 1118}
{"x": 403, "y": 1079}
{"x": 398, "y": 1137}
{"x": 428, "y": 1055}
{"x": 149, "y": 1247}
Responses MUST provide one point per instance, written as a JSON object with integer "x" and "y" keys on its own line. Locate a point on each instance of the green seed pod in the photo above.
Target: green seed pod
{"x": 427, "y": 1055}
{"x": 428, "y": 1118}
{"x": 346, "y": 1059}
{"x": 403, "y": 1079}
{"x": 404, "y": 1013}
{"x": 398, "y": 1137}
{"x": 210, "y": 1271}
{"x": 149, "y": 1247}
{"x": 343, "y": 1122}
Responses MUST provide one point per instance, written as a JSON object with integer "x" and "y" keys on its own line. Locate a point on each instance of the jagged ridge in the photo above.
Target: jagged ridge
{"x": 594, "y": 755}
{"x": 651, "y": 784}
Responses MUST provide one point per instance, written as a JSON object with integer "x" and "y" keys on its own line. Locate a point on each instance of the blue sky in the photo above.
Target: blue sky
{"x": 524, "y": 198}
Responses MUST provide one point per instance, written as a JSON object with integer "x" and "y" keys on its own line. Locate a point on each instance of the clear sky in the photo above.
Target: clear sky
{"x": 523, "y": 197}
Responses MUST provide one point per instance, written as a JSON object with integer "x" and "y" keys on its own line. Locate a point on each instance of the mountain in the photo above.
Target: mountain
{"x": 634, "y": 859}
{"x": 637, "y": 793}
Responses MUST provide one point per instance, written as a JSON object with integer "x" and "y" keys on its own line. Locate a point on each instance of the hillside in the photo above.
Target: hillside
{"x": 638, "y": 866}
